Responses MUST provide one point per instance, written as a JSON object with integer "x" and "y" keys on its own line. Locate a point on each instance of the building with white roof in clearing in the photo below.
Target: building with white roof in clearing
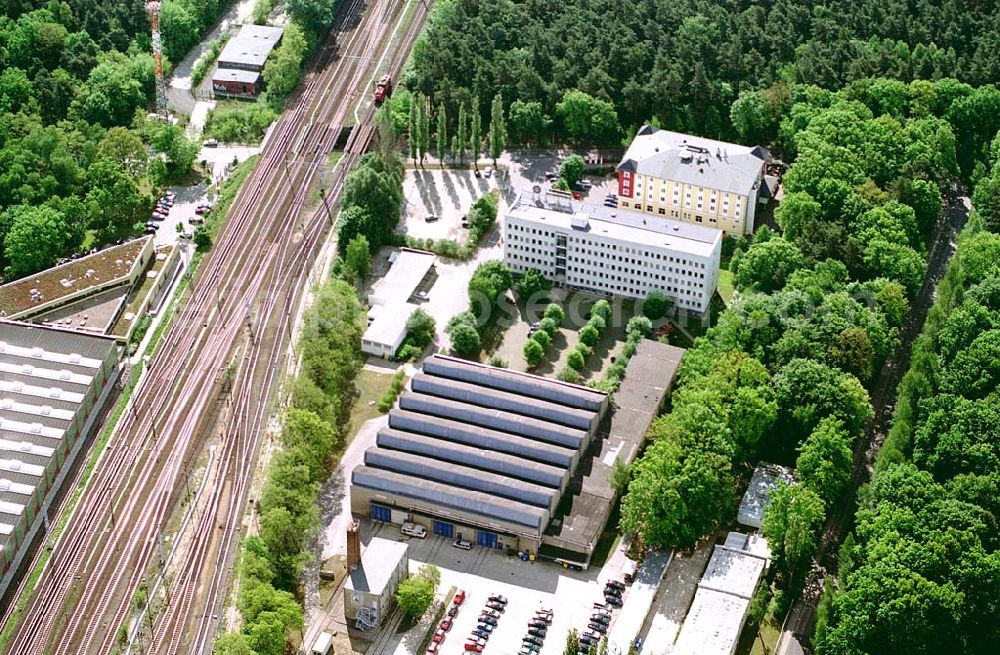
{"x": 241, "y": 62}
{"x": 612, "y": 251}
{"x": 694, "y": 180}
{"x": 715, "y": 619}
{"x": 53, "y": 384}
{"x": 766, "y": 478}
{"x": 389, "y": 306}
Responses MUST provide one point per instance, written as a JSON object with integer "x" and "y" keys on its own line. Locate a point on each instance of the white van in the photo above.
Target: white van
{"x": 323, "y": 644}
{"x": 413, "y": 530}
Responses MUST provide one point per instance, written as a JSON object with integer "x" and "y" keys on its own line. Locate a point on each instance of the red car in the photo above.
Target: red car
{"x": 475, "y": 648}
{"x": 445, "y": 625}
{"x": 459, "y": 597}
{"x": 438, "y": 637}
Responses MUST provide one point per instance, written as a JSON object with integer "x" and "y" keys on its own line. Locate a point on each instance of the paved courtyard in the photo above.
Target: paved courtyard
{"x": 448, "y": 194}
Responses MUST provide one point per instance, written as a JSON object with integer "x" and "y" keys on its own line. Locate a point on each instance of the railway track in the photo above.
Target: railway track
{"x": 244, "y": 296}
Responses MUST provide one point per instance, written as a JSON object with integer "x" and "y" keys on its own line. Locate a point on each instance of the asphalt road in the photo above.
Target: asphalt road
{"x": 801, "y": 621}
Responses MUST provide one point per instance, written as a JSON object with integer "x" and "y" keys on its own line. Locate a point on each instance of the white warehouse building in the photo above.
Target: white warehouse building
{"x": 612, "y": 251}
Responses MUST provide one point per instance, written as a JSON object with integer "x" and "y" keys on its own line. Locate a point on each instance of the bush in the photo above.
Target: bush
{"x": 414, "y": 596}
{"x": 655, "y": 305}
{"x": 548, "y": 326}
{"x": 542, "y": 337}
{"x": 589, "y": 335}
{"x": 408, "y": 352}
{"x": 555, "y": 312}
{"x": 420, "y": 328}
{"x": 638, "y": 327}
{"x": 498, "y": 361}
{"x": 531, "y": 283}
{"x": 575, "y": 361}
{"x": 533, "y": 353}
{"x": 242, "y": 124}
{"x": 207, "y": 60}
{"x": 395, "y": 388}
{"x": 569, "y": 375}
{"x": 464, "y": 333}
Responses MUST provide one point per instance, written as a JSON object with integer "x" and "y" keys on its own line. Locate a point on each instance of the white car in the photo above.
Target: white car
{"x": 413, "y": 530}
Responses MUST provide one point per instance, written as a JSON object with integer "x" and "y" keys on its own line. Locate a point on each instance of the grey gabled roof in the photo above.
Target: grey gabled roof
{"x": 728, "y": 167}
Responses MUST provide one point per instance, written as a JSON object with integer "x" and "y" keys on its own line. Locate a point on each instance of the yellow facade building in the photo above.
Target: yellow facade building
{"x": 693, "y": 180}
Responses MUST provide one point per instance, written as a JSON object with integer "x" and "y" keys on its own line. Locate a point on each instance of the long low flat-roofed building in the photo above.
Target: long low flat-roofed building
{"x": 478, "y": 450}
{"x": 53, "y": 384}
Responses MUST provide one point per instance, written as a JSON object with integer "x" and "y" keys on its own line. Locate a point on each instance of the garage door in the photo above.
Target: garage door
{"x": 381, "y": 513}
{"x": 444, "y": 528}
{"x": 486, "y": 539}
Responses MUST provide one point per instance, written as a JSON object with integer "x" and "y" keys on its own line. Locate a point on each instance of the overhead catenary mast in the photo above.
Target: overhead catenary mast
{"x": 153, "y": 8}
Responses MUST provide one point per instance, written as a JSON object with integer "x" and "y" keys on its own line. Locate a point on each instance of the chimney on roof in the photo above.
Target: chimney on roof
{"x": 353, "y": 546}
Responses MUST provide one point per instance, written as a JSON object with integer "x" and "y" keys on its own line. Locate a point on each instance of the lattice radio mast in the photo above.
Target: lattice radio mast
{"x": 153, "y": 8}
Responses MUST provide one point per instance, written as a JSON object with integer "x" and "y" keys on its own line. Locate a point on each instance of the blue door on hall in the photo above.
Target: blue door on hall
{"x": 381, "y": 513}
{"x": 486, "y": 539}
{"x": 444, "y": 528}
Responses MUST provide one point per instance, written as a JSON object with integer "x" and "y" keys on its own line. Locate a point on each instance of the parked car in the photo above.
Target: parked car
{"x": 533, "y": 640}
{"x": 479, "y": 632}
{"x": 598, "y": 627}
{"x": 488, "y": 620}
{"x": 465, "y": 222}
{"x": 158, "y": 216}
{"x": 586, "y": 639}
{"x": 430, "y": 218}
{"x": 537, "y": 632}
{"x": 211, "y": 143}
{"x": 485, "y": 627}
{"x": 413, "y": 530}
{"x": 187, "y": 234}
{"x": 537, "y": 623}
{"x": 489, "y": 172}
{"x": 477, "y": 640}
{"x": 445, "y": 625}
{"x": 498, "y": 598}
{"x": 614, "y": 601}
{"x": 525, "y": 651}
{"x": 551, "y": 176}
{"x": 531, "y": 646}
{"x": 168, "y": 194}
{"x": 453, "y": 611}
{"x": 475, "y": 648}
{"x": 432, "y": 648}
{"x": 438, "y": 637}
{"x": 616, "y": 584}
{"x": 150, "y": 229}
{"x": 462, "y": 544}
{"x": 196, "y": 220}
{"x": 600, "y": 618}
{"x": 637, "y": 644}
{"x": 459, "y": 597}
{"x": 495, "y": 605}
{"x": 163, "y": 207}
{"x": 602, "y": 610}
{"x": 489, "y": 611}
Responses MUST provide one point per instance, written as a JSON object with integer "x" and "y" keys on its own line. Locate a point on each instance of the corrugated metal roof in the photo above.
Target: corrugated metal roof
{"x": 480, "y": 437}
{"x": 251, "y": 45}
{"x": 442, "y": 495}
{"x": 534, "y": 386}
{"x": 494, "y": 419}
{"x": 466, "y": 477}
{"x": 467, "y": 392}
{"x": 482, "y": 458}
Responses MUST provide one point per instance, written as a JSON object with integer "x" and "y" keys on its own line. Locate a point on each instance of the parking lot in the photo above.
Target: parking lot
{"x": 528, "y": 586}
{"x": 447, "y": 194}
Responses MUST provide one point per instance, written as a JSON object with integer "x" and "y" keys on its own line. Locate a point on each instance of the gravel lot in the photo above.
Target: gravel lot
{"x": 448, "y": 194}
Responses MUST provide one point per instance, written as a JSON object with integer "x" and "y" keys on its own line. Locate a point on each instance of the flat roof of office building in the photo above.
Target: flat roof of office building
{"x": 251, "y": 45}
{"x": 617, "y": 224}
{"x": 45, "y": 375}
{"x": 407, "y": 271}
{"x": 648, "y": 379}
{"x": 713, "y": 624}
{"x": 507, "y": 441}
{"x": 236, "y": 75}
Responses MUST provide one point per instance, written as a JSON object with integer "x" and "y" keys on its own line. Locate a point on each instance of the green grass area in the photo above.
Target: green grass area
{"x": 335, "y": 157}
{"x": 726, "y": 288}
{"x": 750, "y": 639}
{"x": 371, "y": 386}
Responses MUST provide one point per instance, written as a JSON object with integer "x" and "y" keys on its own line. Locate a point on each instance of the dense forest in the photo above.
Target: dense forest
{"x": 80, "y": 162}
{"x": 683, "y": 63}
{"x": 783, "y": 375}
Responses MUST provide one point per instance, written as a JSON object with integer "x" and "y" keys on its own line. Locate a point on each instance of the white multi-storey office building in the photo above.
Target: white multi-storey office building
{"x": 613, "y": 251}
